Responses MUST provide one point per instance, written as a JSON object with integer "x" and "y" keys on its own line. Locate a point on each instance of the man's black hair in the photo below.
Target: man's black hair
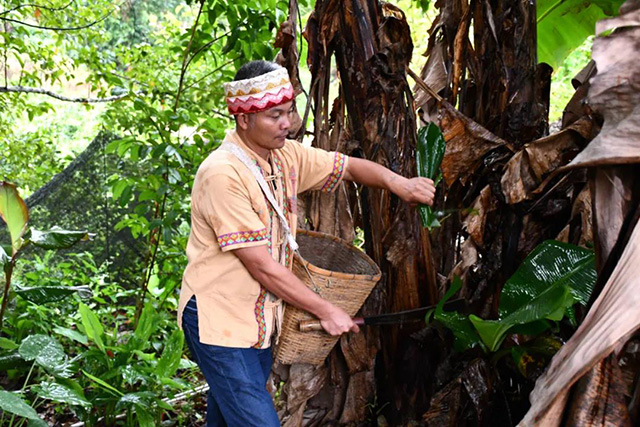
{"x": 254, "y": 69}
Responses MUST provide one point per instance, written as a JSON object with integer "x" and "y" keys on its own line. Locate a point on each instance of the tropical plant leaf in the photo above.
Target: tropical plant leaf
{"x": 60, "y": 393}
{"x": 551, "y": 305}
{"x": 45, "y": 294}
{"x": 429, "y": 154}
{"x": 7, "y": 344}
{"x": 71, "y": 334}
{"x": 147, "y": 325}
{"x": 564, "y": 25}
{"x": 39, "y": 422}
{"x": 92, "y": 326}
{"x": 48, "y": 353}
{"x": 550, "y": 264}
{"x": 170, "y": 359}
{"x": 57, "y": 238}
{"x": 464, "y": 335}
{"x": 14, "y": 212}
{"x": 103, "y": 384}
{"x": 14, "y": 404}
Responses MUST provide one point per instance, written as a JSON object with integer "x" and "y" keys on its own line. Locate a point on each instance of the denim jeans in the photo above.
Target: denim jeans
{"x": 237, "y": 379}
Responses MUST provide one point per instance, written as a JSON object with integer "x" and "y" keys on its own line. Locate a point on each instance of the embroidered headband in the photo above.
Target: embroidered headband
{"x": 259, "y": 93}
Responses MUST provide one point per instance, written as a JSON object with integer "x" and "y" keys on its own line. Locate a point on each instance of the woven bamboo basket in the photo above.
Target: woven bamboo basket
{"x": 338, "y": 272}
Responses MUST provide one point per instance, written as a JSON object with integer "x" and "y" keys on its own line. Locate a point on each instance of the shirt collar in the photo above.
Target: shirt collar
{"x": 233, "y": 137}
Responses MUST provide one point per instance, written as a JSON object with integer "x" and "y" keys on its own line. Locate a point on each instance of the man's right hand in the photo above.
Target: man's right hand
{"x": 338, "y": 322}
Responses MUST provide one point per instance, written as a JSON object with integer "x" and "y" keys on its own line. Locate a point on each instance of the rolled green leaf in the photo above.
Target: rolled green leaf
{"x": 14, "y": 212}
{"x": 429, "y": 154}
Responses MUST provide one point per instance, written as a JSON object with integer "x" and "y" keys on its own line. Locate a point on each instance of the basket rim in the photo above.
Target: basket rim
{"x": 337, "y": 274}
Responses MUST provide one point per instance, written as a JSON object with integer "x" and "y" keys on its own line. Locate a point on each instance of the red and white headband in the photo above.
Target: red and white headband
{"x": 259, "y": 93}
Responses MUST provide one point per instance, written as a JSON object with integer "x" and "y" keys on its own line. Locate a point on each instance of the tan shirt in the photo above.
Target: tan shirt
{"x": 229, "y": 211}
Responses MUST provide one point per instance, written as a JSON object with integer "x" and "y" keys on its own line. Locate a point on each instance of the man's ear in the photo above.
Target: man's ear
{"x": 242, "y": 120}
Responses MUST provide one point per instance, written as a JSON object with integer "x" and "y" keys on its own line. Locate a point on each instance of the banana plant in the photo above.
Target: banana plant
{"x": 15, "y": 214}
{"x": 550, "y": 281}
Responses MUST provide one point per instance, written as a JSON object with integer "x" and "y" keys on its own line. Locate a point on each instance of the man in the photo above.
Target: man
{"x": 240, "y": 250}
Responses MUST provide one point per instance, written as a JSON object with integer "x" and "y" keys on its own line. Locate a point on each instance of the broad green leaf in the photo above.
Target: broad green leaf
{"x": 550, "y": 264}
{"x": 46, "y": 294}
{"x": 62, "y": 394}
{"x": 103, "y": 384}
{"x": 14, "y": 404}
{"x": 71, "y": 334}
{"x": 563, "y": 25}
{"x": 92, "y": 326}
{"x": 57, "y": 238}
{"x": 429, "y": 154}
{"x": 170, "y": 359}
{"x": 551, "y": 304}
{"x": 146, "y": 326}
{"x": 14, "y": 212}
{"x": 464, "y": 335}
{"x": 7, "y": 344}
{"x": 37, "y": 423}
{"x": 47, "y": 352}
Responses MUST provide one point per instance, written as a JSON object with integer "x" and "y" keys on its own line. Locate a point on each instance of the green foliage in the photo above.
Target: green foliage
{"x": 553, "y": 278}
{"x": 14, "y": 404}
{"x": 429, "y": 154}
{"x": 464, "y": 335}
{"x": 565, "y": 25}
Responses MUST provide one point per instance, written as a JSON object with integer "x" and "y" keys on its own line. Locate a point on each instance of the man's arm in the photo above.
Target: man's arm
{"x": 282, "y": 282}
{"x": 412, "y": 190}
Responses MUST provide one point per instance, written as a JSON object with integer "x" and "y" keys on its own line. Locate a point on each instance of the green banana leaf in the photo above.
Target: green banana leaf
{"x": 14, "y": 212}
{"x": 551, "y": 279}
{"x": 551, "y": 263}
{"x": 464, "y": 336}
{"x": 563, "y": 25}
{"x": 429, "y": 154}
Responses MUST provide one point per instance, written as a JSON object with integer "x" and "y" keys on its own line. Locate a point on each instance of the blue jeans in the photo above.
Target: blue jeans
{"x": 237, "y": 379}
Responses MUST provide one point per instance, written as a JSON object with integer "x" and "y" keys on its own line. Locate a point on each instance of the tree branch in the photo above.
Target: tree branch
{"x": 22, "y": 89}
{"x": 42, "y": 27}
{"x": 185, "y": 63}
{"x": 39, "y": 6}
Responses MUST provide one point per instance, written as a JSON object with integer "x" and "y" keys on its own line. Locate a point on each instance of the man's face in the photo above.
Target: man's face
{"x": 267, "y": 129}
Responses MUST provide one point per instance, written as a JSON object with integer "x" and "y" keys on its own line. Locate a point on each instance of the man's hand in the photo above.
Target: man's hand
{"x": 282, "y": 282}
{"x": 415, "y": 191}
{"x": 337, "y": 321}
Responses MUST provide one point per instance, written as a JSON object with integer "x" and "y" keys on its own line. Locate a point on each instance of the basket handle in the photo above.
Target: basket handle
{"x": 315, "y": 326}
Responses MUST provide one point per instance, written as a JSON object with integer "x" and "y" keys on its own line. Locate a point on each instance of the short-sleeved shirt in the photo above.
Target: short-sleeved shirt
{"x": 229, "y": 211}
